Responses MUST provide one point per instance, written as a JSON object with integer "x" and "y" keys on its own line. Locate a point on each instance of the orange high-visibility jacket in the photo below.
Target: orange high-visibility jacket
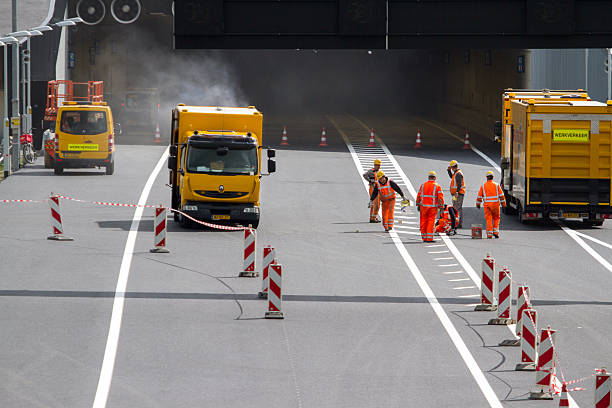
{"x": 453, "y": 185}
{"x": 430, "y": 195}
{"x": 385, "y": 190}
{"x": 491, "y": 193}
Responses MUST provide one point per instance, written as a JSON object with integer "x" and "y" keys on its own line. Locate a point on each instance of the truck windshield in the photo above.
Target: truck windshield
{"x": 83, "y": 122}
{"x": 212, "y": 160}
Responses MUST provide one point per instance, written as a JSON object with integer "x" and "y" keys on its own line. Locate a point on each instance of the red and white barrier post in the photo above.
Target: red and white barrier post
{"x": 529, "y": 341}
{"x": 159, "y": 231}
{"x": 504, "y": 290}
{"x": 418, "y": 145}
{"x": 275, "y": 296}
{"x": 56, "y": 220}
{"x": 249, "y": 254}
{"x": 563, "y": 400}
{"x": 268, "y": 259}
{"x": 323, "y": 138}
{"x": 546, "y": 365}
{"x": 522, "y": 303}
{"x": 372, "y": 142}
{"x": 602, "y": 389}
{"x": 487, "y": 301}
{"x": 466, "y": 143}
{"x": 284, "y": 141}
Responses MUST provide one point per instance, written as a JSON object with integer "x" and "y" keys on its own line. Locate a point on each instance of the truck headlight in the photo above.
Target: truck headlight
{"x": 254, "y": 210}
{"x": 190, "y": 207}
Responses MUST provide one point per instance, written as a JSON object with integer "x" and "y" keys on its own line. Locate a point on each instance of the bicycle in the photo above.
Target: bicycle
{"x": 27, "y": 148}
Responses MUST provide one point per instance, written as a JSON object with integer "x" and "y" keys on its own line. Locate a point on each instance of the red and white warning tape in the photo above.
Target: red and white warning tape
{"x": 22, "y": 201}
{"x": 105, "y": 203}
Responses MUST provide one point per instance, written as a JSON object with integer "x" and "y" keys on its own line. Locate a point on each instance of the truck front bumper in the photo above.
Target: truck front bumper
{"x": 222, "y": 213}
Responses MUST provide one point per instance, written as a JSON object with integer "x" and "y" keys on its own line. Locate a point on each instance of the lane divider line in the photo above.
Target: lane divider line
{"x": 597, "y": 241}
{"x": 112, "y": 342}
{"x": 460, "y": 345}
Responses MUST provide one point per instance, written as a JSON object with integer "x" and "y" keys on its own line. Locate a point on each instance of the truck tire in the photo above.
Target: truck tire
{"x": 521, "y": 215}
{"x": 58, "y": 169}
{"x": 48, "y": 161}
{"x": 254, "y": 224}
{"x": 110, "y": 169}
{"x": 588, "y": 223}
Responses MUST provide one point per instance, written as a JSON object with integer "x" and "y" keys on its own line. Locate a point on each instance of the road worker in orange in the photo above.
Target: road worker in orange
{"x": 457, "y": 188}
{"x": 429, "y": 199}
{"x": 448, "y": 221}
{"x": 370, "y": 177}
{"x": 492, "y": 195}
{"x": 386, "y": 189}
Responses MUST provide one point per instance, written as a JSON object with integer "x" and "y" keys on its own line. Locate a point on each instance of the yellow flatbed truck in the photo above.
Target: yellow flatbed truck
{"x": 558, "y": 160}
{"x": 215, "y": 164}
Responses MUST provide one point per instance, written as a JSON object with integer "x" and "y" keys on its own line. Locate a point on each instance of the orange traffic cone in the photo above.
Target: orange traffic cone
{"x": 466, "y": 143}
{"x": 564, "y": 401}
{"x": 284, "y": 141}
{"x": 157, "y": 138}
{"x": 372, "y": 143}
{"x": 323, "y": 138}
{"x": 417, "y": 145}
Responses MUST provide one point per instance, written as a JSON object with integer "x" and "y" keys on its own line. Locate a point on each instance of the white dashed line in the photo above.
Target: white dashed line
{"x": 459, "y": 280}
{"x": 443, "y": 259}
{"x": 465, "y": 287}
{"x": 448, "y": 265}
{"x": 437, "y": 252}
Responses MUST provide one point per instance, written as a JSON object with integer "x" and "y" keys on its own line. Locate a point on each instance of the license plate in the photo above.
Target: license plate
{"x": 83, "y": 147}
{"x": 220, "y": 217}
{"x": 571, "y": 215}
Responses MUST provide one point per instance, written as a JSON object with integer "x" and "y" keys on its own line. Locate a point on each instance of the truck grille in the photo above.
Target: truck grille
{"x": 217, "y": 194}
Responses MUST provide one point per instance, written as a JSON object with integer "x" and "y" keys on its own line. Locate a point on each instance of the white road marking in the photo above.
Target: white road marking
{"x": 447, "y": 265}
{"x": 469, "y": 360}
{"x": 437, "y": 252}
{"x": 110, "y": 353}
{"x": 408, "y": 232}
{"x": 453, "y": 272}
{"x": 435, "y": 245}
{"x": 594, "y": 239}
{"x": 574, "y": 235}
{"x": 468, "y": 296}
{"x": 459, "y": 280}
{"x": 465, "y": 287}
{"x": 443, "y": 259}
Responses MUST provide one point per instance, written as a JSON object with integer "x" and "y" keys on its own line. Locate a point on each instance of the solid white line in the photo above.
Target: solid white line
{"x": 437, "y": 252}
{"x": 469, "y": 360}
{"x": 110, "y": 353}
{"x": 594, "y": 239}
{"x": 443, "y": 266}
{"x": 459, "y": 280}
{"x": 435, "y": 245}
{"x": 468, "y": 296}
{"x": 465, "y": 287}
{"x": 443, "y": 259}
{"x": 574, "y": 235}
{"x": 453, "y": 272}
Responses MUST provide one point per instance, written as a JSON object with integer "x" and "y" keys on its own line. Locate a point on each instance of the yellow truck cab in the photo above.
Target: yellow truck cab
{"x": 215, "y": 164}
{"x": 559, "y": 160}
{"x": 84, "y": 137}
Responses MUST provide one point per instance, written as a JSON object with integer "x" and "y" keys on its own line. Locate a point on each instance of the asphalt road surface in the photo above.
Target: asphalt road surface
{"x": 371, "y": 319}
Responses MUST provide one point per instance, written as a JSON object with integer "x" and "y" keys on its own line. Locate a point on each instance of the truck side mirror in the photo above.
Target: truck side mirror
{"x": 171, "y": 162}
{"x": 271, "y": 153}
{"x": 497, "y": 129}
{"x": 173, "y": 150}
{"x": 271, "y": 166}
{"x": 117, "y": 128}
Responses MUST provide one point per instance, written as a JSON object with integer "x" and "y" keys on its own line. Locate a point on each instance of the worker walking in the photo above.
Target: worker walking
{"x": 448, "y": 221}
{"x": 457, "y": 188}
{"x": 370, "y": 177}
{"x": 492, "y": 195}
{"x": 429, "y": 199}
{"x": 386, "y": 189}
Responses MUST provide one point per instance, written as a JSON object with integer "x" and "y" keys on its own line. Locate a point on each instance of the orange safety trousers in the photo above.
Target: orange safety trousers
{"x": 491, "y": 212}
{"x": 375, "y": 205}
{"x": 428, "y": 219}
{"x": 388, "y": 206}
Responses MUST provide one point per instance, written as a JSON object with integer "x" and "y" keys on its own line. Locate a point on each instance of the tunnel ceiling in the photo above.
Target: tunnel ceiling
{"x": 363, "y": 24}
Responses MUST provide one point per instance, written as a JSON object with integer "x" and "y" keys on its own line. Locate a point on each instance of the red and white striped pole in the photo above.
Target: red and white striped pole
{"x": 275, "y": 296}
{"x": 56, "y": 220}
{"x": 372, "y": 142}
{"x": 504, "y": 289}
{"x": 268, "y": 259}
{"x": 545, "y": 366}
{"x": 249, "y": 254}
{"x": 487, "y": 301}
{"x": 159, "y": 231}
{"x": 529, "y": 341}
{"x": 323, "y": 137}
{"x": 602, "y": 389}
{"x": 522, "y": 303}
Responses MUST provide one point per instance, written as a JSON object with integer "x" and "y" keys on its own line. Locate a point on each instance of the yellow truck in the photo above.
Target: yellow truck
{"x": 556, "y": 160}
{"x": 215, "y": 164}
{"x": 84, "y": 136}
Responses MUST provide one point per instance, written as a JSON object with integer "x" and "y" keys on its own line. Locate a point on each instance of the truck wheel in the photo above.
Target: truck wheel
{"x": 588, "y": 223}
{"x": 521, "y": 215}
{"x": 253, "y": 224}
{"x": 48, "y": 161}
{"x": 110, "y": 169}
{"x": 185, "y": 222}
{"x": 58, "y": 169}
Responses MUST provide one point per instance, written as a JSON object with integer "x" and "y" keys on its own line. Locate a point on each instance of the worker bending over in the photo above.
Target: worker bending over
{"x": 370, "y": 177}
{"x": 457, "y": 188}
{"x": 386, "y": 189}
{"x": 429, "y": 199}
{"x": 492, "y": 195}
{"x": 448, "y": 221}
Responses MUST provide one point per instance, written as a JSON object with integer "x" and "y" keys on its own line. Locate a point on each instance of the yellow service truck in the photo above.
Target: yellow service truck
{"x": 215, "y": 164}
{"x": 556, "y": 160}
